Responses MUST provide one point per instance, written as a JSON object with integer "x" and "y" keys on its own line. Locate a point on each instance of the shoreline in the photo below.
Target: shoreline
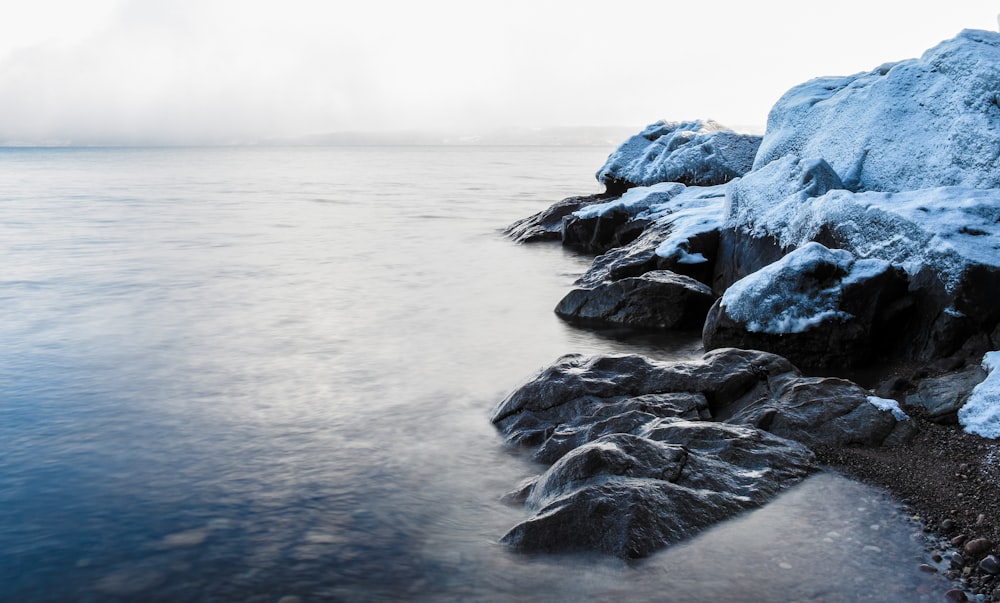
{"x": 949, "y": 478}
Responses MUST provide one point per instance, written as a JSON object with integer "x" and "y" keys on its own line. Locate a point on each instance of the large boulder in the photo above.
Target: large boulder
{"x": 657, "y": 300}
{"x": 817, "y": 307}
{"x": 918, "y": 123}
{"x": 628, "y": 496}
{"x": 947, "y": 239}
{"x": 578, "y": 392}
{"x": 698, "y": 153}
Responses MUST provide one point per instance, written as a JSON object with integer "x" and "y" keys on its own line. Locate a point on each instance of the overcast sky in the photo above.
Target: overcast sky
{"x": 245, "y": 69}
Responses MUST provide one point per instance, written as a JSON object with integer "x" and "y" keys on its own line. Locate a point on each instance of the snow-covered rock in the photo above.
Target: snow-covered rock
{"x": 700, "y": 153}
{"x": 915, "y": 124}
{"x": 981, "y": 414}
{"x": 815, "y": 306}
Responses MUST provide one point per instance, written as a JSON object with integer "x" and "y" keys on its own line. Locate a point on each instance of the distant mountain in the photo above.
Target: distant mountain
{"x": 550, "y": 136}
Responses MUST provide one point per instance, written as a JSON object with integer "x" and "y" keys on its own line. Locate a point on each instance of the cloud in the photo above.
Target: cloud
{"x": 216, "y": 70}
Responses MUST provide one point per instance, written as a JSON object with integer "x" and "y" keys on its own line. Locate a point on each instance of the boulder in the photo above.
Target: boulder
{"x": 681, "y": 234}
{"x": 817, "y": 307}
{"x": 546, "y": 225}
{"x": 914, "y": 124}
{"x": 694, "y": 153}
{"x": 628, "y": 496}
{"x": 941, "y": 396}
{"x": 947, "y": 240}
{"x": 657, "y": 300}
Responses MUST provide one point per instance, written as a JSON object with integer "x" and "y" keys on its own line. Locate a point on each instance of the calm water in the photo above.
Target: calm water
{"x": 249, "y": 374}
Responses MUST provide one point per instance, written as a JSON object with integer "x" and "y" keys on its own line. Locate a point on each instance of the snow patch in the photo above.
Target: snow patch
{"x": 981, "y": 413}
{"x": 889, "y": 405}
{"x": 783, "y": 297}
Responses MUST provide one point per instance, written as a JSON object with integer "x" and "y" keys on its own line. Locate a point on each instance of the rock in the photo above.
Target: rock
{"x": 694, "y": 153}
{"x": 681, "y": 235}
{"x": 659, "y": 300}
{"x": 546, "y": 225}
{"x": 977, "y": 547}
{"x": 957, "y": 561}
{"x": 915, "y": 124}
{"x": 955, "y": 594}
{"x": 943, "y": 395}
{"x": 990, "y": 564}
{"x": 740, "y": 386}
{"x": 926, "y": 567}
{"x": 817, "y": 307}
{"x": 627, "y": 496}
{"x": 946, "y": 239}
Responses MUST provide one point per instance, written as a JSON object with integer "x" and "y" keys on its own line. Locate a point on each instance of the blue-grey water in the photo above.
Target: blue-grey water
{"x": 265, "y": 374}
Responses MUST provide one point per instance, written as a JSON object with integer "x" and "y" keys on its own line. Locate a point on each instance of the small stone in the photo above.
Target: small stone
{"x": 955, "y": 594}
{"x": 926, "y": 567}
{"x": 947, "y": 524}
{"x": 958, "y": 540}
{"x": 978, "y": 546}
{"x": 936, "y": 558}
{"x": 980, "y": 519}
{"x": 990, "y": 565}
{"x": 957, "y": 561}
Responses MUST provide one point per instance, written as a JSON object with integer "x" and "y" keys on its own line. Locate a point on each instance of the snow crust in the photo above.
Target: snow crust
{"x": 783, "y": 297}
{"x": 916, "y": 124}
{"x": 945, "y": 228}
{"x": 634, "y": 201}
{"x": 981, "y": 413}
{"x": 699, "y": 153}
{"x": 889, "y": 405}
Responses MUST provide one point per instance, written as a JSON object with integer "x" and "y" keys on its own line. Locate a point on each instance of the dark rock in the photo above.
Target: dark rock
{"x": 546, "y": 225}
{"x": 990, "y": 564}
{"x": 957, "y": 561}
{"x": 816, "y": 307}
{"x": 942, "y": 396}
{"x": 694, "y": 153}
{"x": 658, "y": 300}
{"x": 600, "y": 233}
{"x": 955, "y": 594}
{"x": 627, "y": 496}
{"x": 926, "y": 567}
{"x": 977, "y": 547}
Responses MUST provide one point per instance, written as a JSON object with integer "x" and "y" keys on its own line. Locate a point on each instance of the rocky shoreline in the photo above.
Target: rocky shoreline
{"x": 858, "y": 238}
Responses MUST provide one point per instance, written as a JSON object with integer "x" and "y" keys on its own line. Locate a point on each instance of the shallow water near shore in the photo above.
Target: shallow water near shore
{"x": 251, "y": 373}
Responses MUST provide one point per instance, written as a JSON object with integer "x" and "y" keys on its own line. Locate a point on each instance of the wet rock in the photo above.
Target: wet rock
{"x": 600, "y": 233}
{"x": 942, "y": 396}
{"x": 698, "y": 153}
{"x": 990, "y": 564}
{"x": 926, "y": 567}
{"x": 817, "y": 307}
{"x": 659, "y": 300}
{"x": 627, "y": 496}
{"x": 546, "y": 225}
{"x": 977, "y": 547}
{"x": 957, "y": 561}
{"x": 956, "y": 595}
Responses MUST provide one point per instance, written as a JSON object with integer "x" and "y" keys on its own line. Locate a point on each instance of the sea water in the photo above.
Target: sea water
{"x": 265, "y": 374}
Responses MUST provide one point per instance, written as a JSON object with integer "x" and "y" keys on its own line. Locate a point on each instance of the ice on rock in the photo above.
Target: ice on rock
{"x": 981, "y": 414}
{"x": 919, "y": 123}
{"x": 694, "y": 153}
{"x": 890, "y": 405}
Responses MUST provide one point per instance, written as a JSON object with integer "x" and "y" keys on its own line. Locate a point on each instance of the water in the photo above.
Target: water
{"x": 248, "y": 374}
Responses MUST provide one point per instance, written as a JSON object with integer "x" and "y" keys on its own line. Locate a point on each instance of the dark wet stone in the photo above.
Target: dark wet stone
{"x": 657, "y": 300}
{"x": 628, "y": 496}
{"x": 956, "y": 594}
{"x": 957, "y": 561}
{"x": 926, "y": 567}
{"x": 990, "y": 565}
{"x": 977, "y": 547}
{"x": 546, "y": 225}
{"x": 943, "y": 395}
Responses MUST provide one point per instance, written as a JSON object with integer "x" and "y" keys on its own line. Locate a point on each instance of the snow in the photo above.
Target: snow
{"x": 981, "y": 413}
{"x": 701, "y": 153}
{"x": 945, "y": 228}
{"x": 889, "y": 405}
{"x": 634, "y": 201}
{"x": 783, "y": 298}
{"x": 916, "y": 124}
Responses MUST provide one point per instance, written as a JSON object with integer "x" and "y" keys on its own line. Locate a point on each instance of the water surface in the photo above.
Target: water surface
{"x": 245, "y": 374}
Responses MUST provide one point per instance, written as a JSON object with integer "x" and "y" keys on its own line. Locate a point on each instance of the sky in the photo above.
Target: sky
{"x": 243, "y": 70}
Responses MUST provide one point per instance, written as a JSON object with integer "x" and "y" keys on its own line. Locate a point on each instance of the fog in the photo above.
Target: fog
{"x": 194, "y": 71}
